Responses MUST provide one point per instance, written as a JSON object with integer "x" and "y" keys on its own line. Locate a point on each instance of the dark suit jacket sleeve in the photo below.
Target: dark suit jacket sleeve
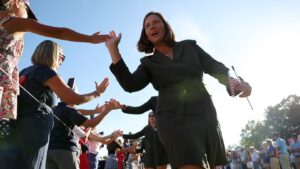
{"x": 130, "y": 82}
{"x": 149, "y": 105}
{"x": 136, "y": 135}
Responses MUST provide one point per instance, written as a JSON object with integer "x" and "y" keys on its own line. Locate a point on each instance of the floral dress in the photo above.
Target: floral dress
{"x": 10, "y": 51}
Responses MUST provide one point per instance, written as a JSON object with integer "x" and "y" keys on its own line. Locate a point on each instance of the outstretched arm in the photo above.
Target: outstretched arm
{"x": 98, "y": 109}
{"x": 109, "y": 105}
{"x": 136, "y": 135}
{"x": 149, "y": 105}
{"x": 68, "y": 96}
{"x": 130, "y": 82}
{"x": 29, "y": 25}
{"x": 105, "y": 139}
{"x": 130, "y": 149}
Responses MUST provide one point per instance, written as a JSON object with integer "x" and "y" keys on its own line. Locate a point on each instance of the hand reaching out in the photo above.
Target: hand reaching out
{"x": 116, "y": 104}
{"x": 117, "y": 134}
{"x": 111, "y": 105}
{"x": 99, "y": 109}
{"x": 112, "y": 45}
{"x": 132, "y": 148}
{"x": 102, "y": 87}
{"x": 113, "y": 40}
{"x": 97, "y": 38}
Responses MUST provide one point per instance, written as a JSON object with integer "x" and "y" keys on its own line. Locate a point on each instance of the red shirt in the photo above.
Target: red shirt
{"x": 120, "y": 157}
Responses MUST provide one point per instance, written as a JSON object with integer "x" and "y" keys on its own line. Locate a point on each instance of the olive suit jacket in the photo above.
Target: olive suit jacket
{"x": 178, "y": 80}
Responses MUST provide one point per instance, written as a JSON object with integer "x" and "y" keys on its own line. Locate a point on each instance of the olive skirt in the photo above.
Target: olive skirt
{"x": 192, "y": 141}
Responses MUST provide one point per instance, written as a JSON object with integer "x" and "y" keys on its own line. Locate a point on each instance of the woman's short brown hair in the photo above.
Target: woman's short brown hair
{"x": 144, "y": 45}
{"x": 46, "y": 54}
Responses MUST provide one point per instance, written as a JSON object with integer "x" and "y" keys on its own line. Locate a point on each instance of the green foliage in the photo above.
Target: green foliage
{"x": 253, "y": 134}
{"x": 283, "y": 118}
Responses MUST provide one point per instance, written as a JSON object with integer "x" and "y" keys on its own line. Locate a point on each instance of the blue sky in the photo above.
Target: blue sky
{"x": 259, "y": 38}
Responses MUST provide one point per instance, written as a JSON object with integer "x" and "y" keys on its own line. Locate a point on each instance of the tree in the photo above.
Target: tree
{"x": 283, "y": 118}
{"x": 254, "y": 133}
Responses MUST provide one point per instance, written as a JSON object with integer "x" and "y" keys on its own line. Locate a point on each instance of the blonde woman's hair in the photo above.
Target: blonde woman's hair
{"x": 46, "y": 54}
{"x": 5, "y": 4}
{"x": 270, "y": 141}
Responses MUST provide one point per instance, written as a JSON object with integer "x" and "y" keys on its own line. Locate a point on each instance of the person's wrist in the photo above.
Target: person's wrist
{"x": 123, "y": 107}
{"x": 98, "y": 93}
{"x": 97, "y": 111}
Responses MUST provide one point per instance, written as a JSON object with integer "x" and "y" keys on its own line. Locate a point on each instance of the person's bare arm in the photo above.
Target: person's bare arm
{"x": 68, "y": 96}
{"x": 28, "y": 25}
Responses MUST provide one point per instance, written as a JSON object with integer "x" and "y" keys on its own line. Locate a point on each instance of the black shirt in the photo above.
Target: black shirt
{"x": 149, "y": 134}
{"x": 62, "y": 137}
{"x": 35, "y": 78}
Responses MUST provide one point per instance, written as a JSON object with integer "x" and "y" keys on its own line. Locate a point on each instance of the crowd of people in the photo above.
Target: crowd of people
{"x": 37, "y": 133}
{"x": 274, "y": 153}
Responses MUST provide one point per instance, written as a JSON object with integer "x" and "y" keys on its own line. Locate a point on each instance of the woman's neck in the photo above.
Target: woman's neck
{"x": 165, "y": 50}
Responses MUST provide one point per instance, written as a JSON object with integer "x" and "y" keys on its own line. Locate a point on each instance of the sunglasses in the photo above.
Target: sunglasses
{"x": 151, "y": 115}
{"x": 62, "y": 57}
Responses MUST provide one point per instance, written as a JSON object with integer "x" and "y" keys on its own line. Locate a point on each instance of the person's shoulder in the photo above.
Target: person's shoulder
{"x": 146, "y": 59}
{"x": 149, "y": 56}
{"x": 187, "y": 42}
{"x": 44, "y": 68}
{"x": 147, "y": 127}
{"x": 154, "y": 98}
{"x": 60, "y": 107}
{"x": 25, "y": 70}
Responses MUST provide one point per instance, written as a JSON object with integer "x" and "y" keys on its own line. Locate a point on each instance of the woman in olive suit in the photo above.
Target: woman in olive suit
{"x": 186, "y": 118}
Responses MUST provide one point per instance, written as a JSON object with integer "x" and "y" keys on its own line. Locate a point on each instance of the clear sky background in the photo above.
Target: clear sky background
{"x": 259, "y": 38}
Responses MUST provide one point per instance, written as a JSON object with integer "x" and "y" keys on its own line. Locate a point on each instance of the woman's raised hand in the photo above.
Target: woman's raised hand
{"x": 113, "y": 40}
{"x": 102, "y": 87}
{"x": 112, "y": 45}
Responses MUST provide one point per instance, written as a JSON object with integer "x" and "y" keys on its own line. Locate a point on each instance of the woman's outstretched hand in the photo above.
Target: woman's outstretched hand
{"x": 113, "y": 40}
{"x": 112, "y": 45}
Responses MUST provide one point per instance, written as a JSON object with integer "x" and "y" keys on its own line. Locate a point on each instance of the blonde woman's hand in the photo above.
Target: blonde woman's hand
{"x": 101, "y": 87}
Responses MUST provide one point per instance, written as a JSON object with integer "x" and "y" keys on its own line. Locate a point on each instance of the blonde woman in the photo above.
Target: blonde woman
{"x": 16, "y": 18}
{"x": 35, "y": 117}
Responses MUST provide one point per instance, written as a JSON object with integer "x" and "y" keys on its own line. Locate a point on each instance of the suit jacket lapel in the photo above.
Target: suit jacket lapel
{"x": 159, "y": 58}
{"x": 177, "y": 50}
